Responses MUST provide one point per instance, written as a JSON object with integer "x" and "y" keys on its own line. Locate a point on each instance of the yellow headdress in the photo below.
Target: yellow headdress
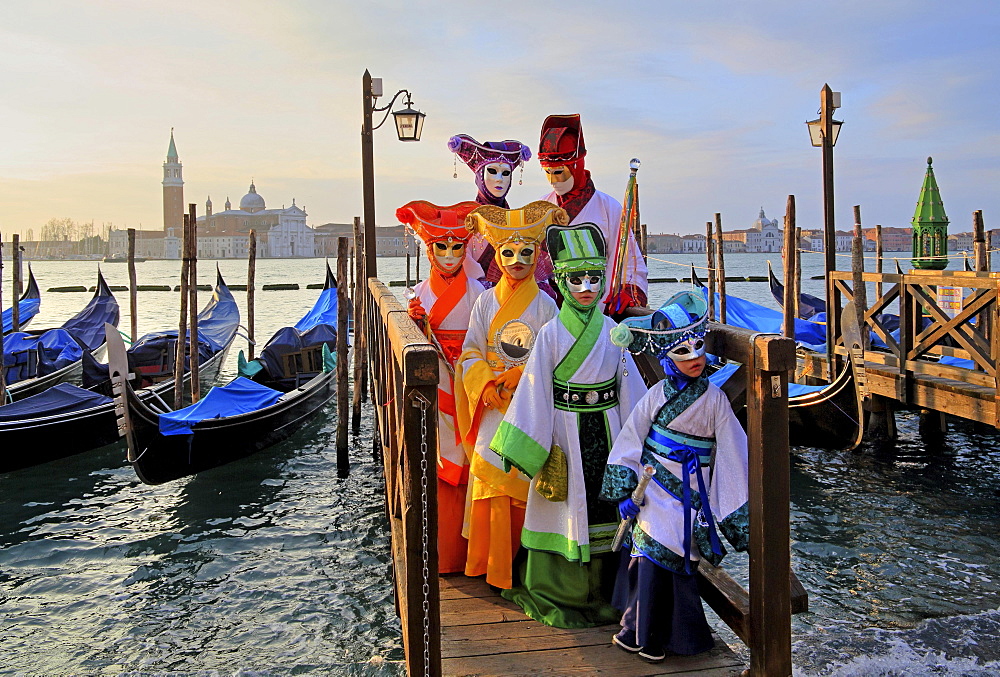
{"x": 527, "y": 224}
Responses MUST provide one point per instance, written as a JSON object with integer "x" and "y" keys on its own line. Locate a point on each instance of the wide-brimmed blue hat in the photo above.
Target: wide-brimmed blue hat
{"x": 676, "y": 329}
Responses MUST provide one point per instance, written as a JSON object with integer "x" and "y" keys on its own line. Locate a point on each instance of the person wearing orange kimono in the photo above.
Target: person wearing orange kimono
{"x": 504, "y": 321}
{"x": 442, "y": 305}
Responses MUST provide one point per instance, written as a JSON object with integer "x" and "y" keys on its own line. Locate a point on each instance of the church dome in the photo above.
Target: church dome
{"x": 252, "y": 202}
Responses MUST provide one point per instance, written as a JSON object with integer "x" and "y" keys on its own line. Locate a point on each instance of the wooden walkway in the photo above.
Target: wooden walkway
{"x": 484, "y": 634}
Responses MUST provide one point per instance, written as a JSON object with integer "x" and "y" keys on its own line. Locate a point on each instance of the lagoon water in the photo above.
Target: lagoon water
{"x": 274, "y": 566}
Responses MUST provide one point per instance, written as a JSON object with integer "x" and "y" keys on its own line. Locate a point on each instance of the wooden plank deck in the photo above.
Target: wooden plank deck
{"x": 484, "y": 634}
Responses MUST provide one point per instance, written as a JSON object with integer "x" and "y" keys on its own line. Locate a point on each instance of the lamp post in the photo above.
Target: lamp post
{"x": 409, "y": 125}
{"x": 823, "y": 133}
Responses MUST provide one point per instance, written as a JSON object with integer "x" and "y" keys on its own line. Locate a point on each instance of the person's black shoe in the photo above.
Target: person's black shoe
{"x": 652, "y": 654}
{"x": 624, "y": 644}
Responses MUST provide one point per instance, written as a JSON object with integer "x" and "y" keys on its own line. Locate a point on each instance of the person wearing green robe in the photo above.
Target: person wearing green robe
{"x": 576, "y": 392}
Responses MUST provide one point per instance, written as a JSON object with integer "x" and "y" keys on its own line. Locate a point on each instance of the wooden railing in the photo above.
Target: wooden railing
{"x": 967, "y": 335}
{"x": 404, "y": 370}
{"x": 404, "y": 373}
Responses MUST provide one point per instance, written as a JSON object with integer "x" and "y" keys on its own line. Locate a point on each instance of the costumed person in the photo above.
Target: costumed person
{"x": 561, "y": 153}
{"x": 441, "y": 306}
{"x": 558, "y": 430}
{"x": 686, "y": 430}
{"x": 493, "y": 164}
{"x": 504, "y": 321}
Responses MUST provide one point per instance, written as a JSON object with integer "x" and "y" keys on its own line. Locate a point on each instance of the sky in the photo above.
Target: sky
{"x": 711, "y": 96}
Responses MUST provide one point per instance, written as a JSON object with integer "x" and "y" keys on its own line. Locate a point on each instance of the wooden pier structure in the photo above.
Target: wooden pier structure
{"x": 908, "y": 372}
{"x": 455, "y": 625}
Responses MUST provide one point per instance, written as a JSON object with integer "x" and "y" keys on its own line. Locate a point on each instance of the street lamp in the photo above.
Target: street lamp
{"x": 409, "y": 125}
{"x": 823, "y": 133}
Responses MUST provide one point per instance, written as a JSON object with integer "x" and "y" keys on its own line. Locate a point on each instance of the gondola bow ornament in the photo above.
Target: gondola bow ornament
{"x": 621, "y": 261}
{"x": 637, "y": 496}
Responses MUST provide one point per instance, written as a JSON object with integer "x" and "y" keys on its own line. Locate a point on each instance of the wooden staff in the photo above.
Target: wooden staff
{"x": 133, "y": 296}
{"x": 360, "y": 287}
{"x": 879, "y": 252}
{"x": 858, "y": 270}
{"x": 15, "y": 258}
{"x": 193, "y": 305}
{"x": 720, "y": 250}
{"x": 710, "y": 259}
{"x": 343, "y": 461}
{"x": 251, "y": 275}
{"x": 179, "y": 347}
{"x": 788, "y": 305}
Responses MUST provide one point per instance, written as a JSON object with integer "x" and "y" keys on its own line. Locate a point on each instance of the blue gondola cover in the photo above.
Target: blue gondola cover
{"x": 59, "y": 399}
{"x": 239, "y": 396}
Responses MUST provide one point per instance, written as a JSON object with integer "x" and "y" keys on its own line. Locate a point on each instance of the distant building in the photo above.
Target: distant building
{"x": 173, "y": 190}
{"x": 665, "y": 243}
{"x": 281, "y": 233}
{"x": 693, "y": 244}
{"x": 893, "y": 239}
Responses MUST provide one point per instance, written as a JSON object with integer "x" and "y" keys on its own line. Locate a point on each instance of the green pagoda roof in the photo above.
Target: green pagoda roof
{"x": 930, "y": 208}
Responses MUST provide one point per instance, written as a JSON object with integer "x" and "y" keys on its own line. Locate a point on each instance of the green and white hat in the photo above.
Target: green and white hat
{"x": 575, "y": 249}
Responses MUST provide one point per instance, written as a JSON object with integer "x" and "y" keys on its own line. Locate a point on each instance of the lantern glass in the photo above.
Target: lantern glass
{"x": 409, "y": 124}
{"x": 816, "y": 132}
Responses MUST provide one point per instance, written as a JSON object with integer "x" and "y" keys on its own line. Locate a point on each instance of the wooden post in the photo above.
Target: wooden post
{"x": 182, "y": 326}
{"x": 720, "y": 257}
{"x": 360, "y": 290}
{"x": 343, "y": 461}
{"x": 879, "y": 252}
{"x": 798, "y": 270}
{"x": 788, "y": 326}
{"x": 251, "y": 282}
{"x": 133, "y": 288}
{"x": 710, "y": 258}
{"x": 193, "y": 305}
{"x": 645, "y": 243}
{"x": 769, "y": 496}
{"x": 15, "y": 259}
{"x": 858, "y": 270}
{"x": 979, "y": 241}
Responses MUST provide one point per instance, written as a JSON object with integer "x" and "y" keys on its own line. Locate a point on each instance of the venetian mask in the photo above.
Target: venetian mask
{"x": 448, "y": 255}
{"x": 591, "y": 280}
{"x": 561, "y": 179}
{"x": 496, "y": 178}
{"x": 518, "y": 258}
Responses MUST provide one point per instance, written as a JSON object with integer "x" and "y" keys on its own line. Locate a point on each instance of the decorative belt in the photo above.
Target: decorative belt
{"x": 585, "y": 396}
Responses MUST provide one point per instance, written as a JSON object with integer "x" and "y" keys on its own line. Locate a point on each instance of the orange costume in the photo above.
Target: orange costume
{"x": 484, "y": 382}
{"x": 442, "y": 305}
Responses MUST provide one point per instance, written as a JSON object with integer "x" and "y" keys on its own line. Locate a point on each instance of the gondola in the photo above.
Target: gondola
{"x": 271, "y": 398}
{"x": 27, "y": 306}
{"x": 67, "y": 419}
{"x": 809, "y": 305}
{"x": 36, "y": 360}
{"x": 827, "y": 416}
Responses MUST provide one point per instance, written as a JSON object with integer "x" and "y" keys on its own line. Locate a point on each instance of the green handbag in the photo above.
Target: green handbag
{"x": 552, "y": 481}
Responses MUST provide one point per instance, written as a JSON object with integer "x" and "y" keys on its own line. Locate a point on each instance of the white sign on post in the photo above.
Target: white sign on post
{"x": 949, "y": 299}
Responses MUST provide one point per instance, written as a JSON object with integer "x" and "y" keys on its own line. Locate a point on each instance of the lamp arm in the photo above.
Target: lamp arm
{"x": 388, "y": 107}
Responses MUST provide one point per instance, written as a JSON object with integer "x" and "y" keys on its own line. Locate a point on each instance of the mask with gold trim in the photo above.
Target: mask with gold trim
{"x": 442, "y": 230}
{"x": 516, "y": 234}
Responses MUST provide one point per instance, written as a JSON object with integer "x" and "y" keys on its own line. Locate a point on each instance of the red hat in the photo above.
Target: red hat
{"x": 562, "y": 140}
{"x": 432, "y": 223}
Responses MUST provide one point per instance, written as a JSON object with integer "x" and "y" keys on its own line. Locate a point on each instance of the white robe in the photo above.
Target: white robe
{"x": 606, "y": 212}
{"x": 457, "y": 319}
{"x": 563, "y": 527}
{"x": 661, "y": 518}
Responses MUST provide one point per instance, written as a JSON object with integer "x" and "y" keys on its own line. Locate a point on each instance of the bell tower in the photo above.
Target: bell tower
{"x": 173, "y": 190}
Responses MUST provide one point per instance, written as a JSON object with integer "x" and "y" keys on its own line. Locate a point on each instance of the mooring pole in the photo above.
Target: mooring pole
{"x": 879, "y": 253}
{"x": 343, "y": 460}
{"x": 3, "y": 372}
{"x": 710, "y": 261}
{"x": 251, "y": 281}
{"x": 15, "y": 258}
{"x": 798, "y": 270}
{"x": 719, "y": 254}
{"x": 358, "y": 336}
{"x": 179, "y": 347}
{"x": 193, "y": 306}
{"x": 857, "y": 274}
{"x": 788, "y": 305}
{"x": 133, "y": 289}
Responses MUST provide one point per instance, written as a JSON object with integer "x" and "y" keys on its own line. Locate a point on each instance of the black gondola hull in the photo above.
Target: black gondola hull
{"x": 215, "y": 442}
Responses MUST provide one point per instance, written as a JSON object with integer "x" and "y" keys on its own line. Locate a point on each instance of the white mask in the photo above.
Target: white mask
{"x": 449, "y": 255}
{"x": 496, "y": 178}
{"x": 560, "y": 187}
